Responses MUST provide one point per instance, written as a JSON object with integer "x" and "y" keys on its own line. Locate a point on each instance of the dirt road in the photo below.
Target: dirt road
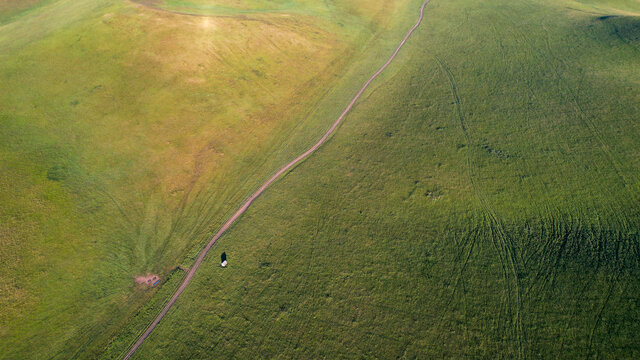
{"x": 264, "y": 186}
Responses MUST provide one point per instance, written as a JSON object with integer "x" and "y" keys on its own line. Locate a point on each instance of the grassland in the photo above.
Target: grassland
{"x": 127, "y": 134}
{"x": 330, "y": 10}
{"x": 11, "y": 9}
{"x": 482, "y": 202}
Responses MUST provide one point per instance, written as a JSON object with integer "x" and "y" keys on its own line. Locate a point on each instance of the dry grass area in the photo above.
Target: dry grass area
{"x": 127, "y": 134}
{"x": 11, "y": 10}
{"x": 237, "y": 79}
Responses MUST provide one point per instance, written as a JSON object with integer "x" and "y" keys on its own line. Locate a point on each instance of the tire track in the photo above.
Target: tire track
{"x": 502, "y": 242}
{"x": 598, "y": 318}
{"x": 585, "y": 119}
{"x": 624, "y": 39}
{"x": 470, "y": 243}
{"x": 568, "y": 97}
{"x": 275, "y": 177}
{"x": 626, "y": 179}
{"x": 580, "y": 112}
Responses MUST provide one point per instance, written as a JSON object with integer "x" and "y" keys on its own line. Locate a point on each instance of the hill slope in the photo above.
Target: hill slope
{"x": 482, "y": 202}
{"x": 127, "y": 134}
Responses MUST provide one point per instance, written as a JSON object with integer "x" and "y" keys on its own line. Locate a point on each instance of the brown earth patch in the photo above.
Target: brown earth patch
{"x": 148, "y": 280}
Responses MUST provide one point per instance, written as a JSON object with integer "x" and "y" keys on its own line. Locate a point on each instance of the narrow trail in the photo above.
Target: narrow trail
{"x": 264, "y": 186}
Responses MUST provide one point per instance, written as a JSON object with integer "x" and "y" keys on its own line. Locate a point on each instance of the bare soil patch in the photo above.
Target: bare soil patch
{"x": 148, "y": 280}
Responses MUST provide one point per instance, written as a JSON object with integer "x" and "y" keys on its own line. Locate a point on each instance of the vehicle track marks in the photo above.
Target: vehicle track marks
{"x": 502, "y": 242}
{"x": 584, "y": 118}
{"x": 598, "y": 318}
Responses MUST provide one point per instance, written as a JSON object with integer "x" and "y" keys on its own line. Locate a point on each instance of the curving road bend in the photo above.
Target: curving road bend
{"x": 264, "y": 186}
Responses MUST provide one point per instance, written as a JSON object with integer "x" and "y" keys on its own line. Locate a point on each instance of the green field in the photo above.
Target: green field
{"x": 482, "y": 200}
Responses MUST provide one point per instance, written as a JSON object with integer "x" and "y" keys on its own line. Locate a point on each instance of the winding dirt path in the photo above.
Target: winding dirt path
{"x": 264, "y": 186}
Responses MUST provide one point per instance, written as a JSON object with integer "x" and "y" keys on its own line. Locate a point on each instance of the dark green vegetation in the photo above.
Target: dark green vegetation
{"x": 482, "y": 201}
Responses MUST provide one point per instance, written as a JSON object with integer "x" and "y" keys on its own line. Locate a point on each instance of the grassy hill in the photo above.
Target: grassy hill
{"x": 127, "y": 135}
{"x": 482, "y": 202}
{"x": 11, "y": 9}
